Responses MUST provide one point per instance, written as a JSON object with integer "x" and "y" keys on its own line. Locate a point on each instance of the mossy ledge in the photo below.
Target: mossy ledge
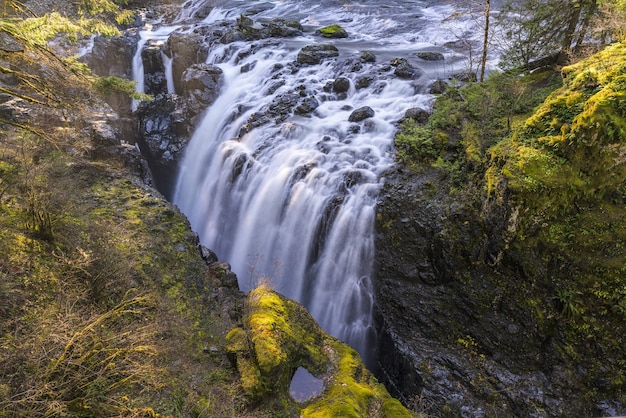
{"x": 278, "y": 336}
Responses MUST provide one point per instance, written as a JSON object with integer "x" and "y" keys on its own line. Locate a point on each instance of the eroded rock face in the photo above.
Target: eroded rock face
{"x": 113, "y": 56}
{"x": 201, "y": 85}
{"x": 164, "y": 132}
{"x": 436, "y": 302}
{"x": 185, "y": 49}
{"x": 155, "y": 82}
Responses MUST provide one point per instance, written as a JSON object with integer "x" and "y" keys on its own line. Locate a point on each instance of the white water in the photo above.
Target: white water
{"x": 294, "y": 200}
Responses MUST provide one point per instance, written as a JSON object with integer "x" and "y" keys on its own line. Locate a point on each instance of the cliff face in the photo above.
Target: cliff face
{"x": 501, "y": 272}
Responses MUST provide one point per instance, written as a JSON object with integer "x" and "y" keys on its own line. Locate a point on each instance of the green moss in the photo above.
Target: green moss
{"x": 333, "y": 31}
{"x": 278, "y": 337}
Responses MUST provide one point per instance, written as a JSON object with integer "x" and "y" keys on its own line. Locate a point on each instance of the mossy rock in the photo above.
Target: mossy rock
{"x": 278, "y": 337}
{"x": 430, "y": 55}
{"x": 572, "y": 147}
{"x": 333, "y": 31}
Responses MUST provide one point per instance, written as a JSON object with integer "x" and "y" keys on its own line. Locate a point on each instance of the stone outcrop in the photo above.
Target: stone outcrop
{"x": 164, "y": 131}
{"x": 155, "y": 82}
{"x": 201, "y": 85}
{"x": 185, "y": 49}
{"x": 405, "y": 70}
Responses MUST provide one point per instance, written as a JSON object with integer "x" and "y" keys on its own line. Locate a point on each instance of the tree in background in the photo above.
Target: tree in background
{"x": 540, "y": 30}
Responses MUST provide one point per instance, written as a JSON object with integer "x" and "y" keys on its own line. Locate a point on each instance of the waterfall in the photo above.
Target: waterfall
{"x": 290, "y": 196}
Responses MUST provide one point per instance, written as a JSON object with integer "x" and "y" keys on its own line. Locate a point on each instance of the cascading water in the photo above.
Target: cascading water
{"x": 290, "y": 195}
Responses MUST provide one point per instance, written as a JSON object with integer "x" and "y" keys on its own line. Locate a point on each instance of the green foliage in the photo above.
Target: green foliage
{"x": 112, "y": 84}
{"x": 414, "y": 142}
{"x": 37, "y": 31}
{"x": 468, "y": 120}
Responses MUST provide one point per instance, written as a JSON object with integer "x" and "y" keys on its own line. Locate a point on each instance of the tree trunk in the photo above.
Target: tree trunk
{"x": 483, "y": 60}
{"x": 568, "y": 36}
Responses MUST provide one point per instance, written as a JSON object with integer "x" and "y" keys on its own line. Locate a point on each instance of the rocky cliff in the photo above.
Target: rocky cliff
{"x": 500, "y": 261}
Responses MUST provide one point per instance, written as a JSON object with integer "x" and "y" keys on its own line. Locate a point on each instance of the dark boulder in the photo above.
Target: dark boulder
{"x": 438, "y": 87}
{"x": 361, "y": 114}
{"x": 404, "y": 69}
{"x": 363, "y": 81}
{"x": 314, "y": 54}
{"x": 367, "y": 56}
{"x": 284, "y": 28}
{"x": 420, "y": 116}
{"x": 341, "y": 85}
{"x": 247, "y": 29}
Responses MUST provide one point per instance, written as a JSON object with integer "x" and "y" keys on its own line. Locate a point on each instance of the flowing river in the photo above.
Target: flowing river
{"x": 292, "y": 199}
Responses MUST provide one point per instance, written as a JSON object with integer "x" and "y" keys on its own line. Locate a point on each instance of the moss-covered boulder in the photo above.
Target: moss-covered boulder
{"x": 333, "y": 31}
{"x": 279, "y": 336}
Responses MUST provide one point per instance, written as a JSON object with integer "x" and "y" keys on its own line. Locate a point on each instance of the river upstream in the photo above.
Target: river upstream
{"x": 289, "y": 196}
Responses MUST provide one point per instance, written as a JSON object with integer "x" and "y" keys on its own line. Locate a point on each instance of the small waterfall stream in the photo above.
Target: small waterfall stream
{"x": 290, "y": 196}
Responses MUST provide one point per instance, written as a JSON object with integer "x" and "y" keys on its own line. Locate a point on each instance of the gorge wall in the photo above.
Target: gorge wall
{"x": 500, "y": 286}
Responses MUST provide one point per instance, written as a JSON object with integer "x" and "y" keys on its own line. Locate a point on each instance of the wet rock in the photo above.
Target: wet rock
{"x": 430, "y": 56}
{"x": 164, "y": 132}
{"x": 349, "y": 65}
{"x": 306, "y": 106}
{"x": 201, "y": 86}
{"x": 417, "y": 114}
{"x": 155, "y": 81}
{"x": 438, "y": 87}
{"x": 248, "y": 67}
{"x": 185, "y": 49}
{"x": 284, "y": 28}
{"x": 404, "y": 70}
{"x": 367, "y": 56}
{"x": 341, "y": 85}
{"x": 113, "y": 56}
{"x": 314, "y": 54}
{"x": 361, "y": 114}
{"x": 207, "y": 255}
{"x": 363, "y": 82}
{"x": 465, "y": 77}
{"x": 332, "y": 31}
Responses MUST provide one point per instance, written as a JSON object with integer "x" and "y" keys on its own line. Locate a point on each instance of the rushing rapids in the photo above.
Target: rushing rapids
{"x": 282, "y": 174}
